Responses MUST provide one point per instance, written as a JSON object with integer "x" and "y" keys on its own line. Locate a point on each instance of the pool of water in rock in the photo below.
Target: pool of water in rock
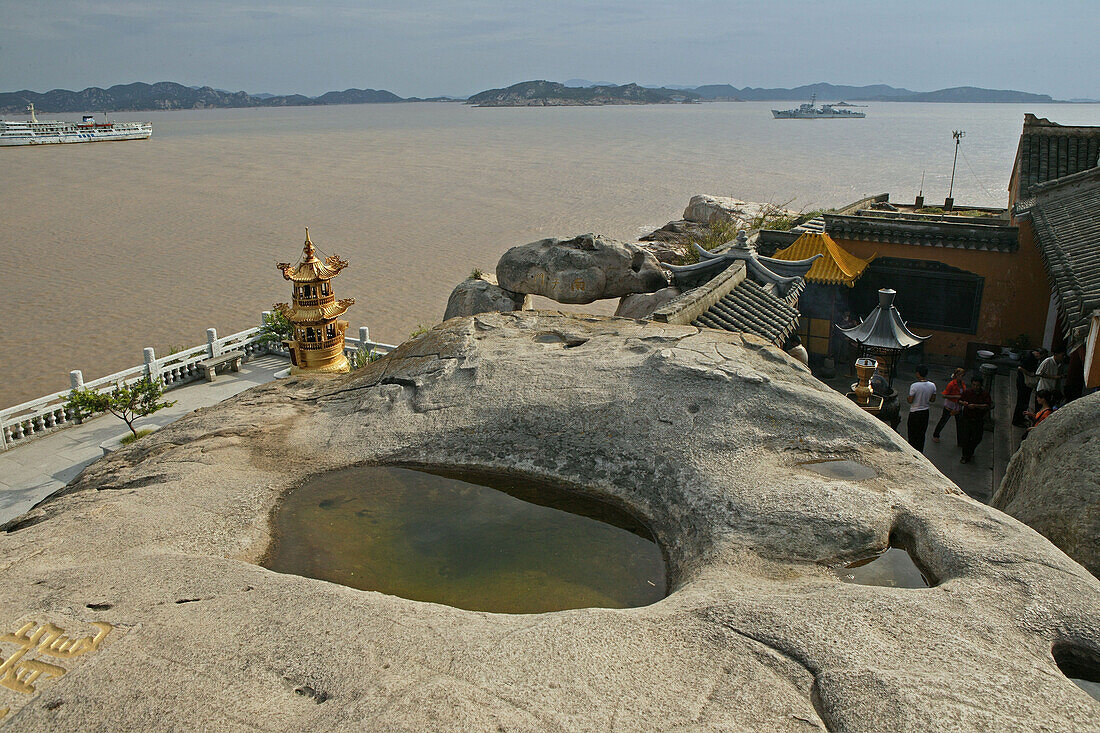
{"x": 480, "y": 542}
{"x": 893, "y": 568}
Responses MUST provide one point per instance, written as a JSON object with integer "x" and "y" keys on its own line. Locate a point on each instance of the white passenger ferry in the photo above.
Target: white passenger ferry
{"x": 34, "y": 132}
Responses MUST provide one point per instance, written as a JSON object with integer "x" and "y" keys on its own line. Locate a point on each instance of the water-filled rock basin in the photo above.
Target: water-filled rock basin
{"x": 893, "y": 568}
{"x": 479, "y": 542}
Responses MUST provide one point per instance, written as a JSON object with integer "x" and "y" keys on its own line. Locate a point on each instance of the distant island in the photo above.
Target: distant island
{"x": 871, "y": 93}
{"x": 552, "y": 94}
{"x": 168, "y": 95}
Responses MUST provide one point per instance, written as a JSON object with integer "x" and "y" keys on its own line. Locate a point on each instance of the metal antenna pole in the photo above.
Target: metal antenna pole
{"x": 958, "y": 135}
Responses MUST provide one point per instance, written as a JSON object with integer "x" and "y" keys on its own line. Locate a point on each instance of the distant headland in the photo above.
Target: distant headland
{"x": 552, "y": 94}
{"x": 167, "y": 95}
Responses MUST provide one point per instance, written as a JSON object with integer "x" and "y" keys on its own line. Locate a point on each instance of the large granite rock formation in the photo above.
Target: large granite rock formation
{"x": 482, "y": 295}
{"x": 706, "y": 209}
{"x": 701, "y": 217}
{"x": 1053, "y": 481}
{"x": 711, "y": 437}
{"x": 580, "y": 270}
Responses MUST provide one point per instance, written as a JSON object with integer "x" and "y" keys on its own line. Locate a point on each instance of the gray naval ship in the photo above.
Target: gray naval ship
{"x": 809, "y": 112}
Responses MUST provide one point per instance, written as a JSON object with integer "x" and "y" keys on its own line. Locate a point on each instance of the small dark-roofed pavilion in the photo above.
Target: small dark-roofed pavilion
{"x": 883, "y": 334}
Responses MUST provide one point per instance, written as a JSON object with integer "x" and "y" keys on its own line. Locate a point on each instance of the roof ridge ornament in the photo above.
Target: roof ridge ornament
{"x": 307, "y": 249}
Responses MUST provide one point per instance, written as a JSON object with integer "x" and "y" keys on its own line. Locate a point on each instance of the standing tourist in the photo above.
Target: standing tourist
{"x": 976, "y": 404}
{"x": 921, "y": 394}
{"x": 1025, "y": 382}
{"x": 951, "y": 394}
{"x": 1050, "y": 372}
{"x": 1043, "y": 409}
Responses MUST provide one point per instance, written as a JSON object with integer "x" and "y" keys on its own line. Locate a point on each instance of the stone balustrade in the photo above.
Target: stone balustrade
{"x": 48, "y": 413}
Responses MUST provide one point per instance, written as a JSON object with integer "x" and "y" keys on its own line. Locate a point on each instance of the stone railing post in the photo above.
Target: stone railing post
{"x": 266, "y": 346}
{"x": 364, "y": 336}
{"x": 211, "y": 347}
{"x": 150, "y": 357}
{"x": 76, "y": 379}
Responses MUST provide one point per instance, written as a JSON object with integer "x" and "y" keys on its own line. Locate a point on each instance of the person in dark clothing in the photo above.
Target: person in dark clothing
{"x": 976, "y": 404}
{"x": 1026, "y": 379}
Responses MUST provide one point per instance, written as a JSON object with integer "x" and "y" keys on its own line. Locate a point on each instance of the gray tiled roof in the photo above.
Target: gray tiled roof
{"x": 954, "y": 234}
{"x": 1048, "y": 151}
{"x": 752, "y": 308}
{"x": 1066, "y": 217}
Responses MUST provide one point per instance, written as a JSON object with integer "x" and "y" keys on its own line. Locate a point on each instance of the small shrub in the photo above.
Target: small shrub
{"x": 277, "y": 328}
{"x": 475, "y": 274}
{"x": 419, "y": 330}
{"x": 126, "y": 402}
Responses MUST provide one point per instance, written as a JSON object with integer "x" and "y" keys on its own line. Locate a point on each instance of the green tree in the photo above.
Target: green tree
{"x": 277, "y": 328}
{"x": 127, "y": 403}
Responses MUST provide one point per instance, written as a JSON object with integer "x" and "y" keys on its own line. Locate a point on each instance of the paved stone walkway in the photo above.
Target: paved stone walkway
{"x": 32, "y": 471}
{"x": 977, "y": 477}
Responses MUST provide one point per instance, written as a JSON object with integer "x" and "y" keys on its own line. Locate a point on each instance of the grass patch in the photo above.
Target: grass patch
{"x": 132, "y": 438}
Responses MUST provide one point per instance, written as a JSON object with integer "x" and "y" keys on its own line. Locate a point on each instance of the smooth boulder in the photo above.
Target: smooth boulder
{"x": 1052, "y": 483}
{"x": 580, "y": 270}
{"x": 481, "y": 294}
{"x": 706, "y": 209}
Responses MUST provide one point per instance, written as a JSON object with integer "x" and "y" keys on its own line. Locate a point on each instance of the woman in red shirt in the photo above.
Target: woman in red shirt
{"x": 951, "y": 394}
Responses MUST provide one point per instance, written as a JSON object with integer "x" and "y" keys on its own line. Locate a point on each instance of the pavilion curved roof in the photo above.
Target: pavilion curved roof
{"x": 785, "y": 275}
{"x": 311, "y": 269}
{"x": 883, "y": 328}
{"x": 835, "y": 266}
{"x": 315, "y": 314}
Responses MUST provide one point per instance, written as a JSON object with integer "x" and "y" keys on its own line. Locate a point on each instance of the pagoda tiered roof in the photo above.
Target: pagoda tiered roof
{"x": 315, "y": 313}
{"x": 311, "y": 269}
{"x": 834, "y": 266}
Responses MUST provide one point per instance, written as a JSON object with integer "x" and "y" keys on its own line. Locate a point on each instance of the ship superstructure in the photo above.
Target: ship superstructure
{"x": 810, "y": 112}
{"x": 35, "y": 132}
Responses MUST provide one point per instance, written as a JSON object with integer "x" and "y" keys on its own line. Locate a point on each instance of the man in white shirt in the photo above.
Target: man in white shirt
{"x": 922, "y": 393}
{"x": 1050, "y": 372}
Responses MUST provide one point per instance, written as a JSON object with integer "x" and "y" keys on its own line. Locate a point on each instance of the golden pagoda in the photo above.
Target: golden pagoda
{"x": 318, "y": 343}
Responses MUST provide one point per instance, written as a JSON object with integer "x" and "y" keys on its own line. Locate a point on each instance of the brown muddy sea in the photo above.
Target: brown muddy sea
{"x": 112, "y": 247}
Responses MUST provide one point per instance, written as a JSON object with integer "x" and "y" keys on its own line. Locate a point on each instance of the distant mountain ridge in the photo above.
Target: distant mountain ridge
{"x": 871, "y": 93}
{"x": 169, "y": 95}
{"x": 542, "y": 93}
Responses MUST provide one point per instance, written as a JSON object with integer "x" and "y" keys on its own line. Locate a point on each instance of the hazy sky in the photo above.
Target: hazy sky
{"x": 430, "y": 47}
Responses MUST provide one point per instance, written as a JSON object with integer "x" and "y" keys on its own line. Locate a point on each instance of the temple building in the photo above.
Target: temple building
{"x": 1054, "y": 198}
{"x": 318, "y": 343}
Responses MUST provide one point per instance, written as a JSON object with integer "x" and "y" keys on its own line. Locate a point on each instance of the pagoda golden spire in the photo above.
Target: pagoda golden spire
{"x": 308, "y": 247}
{"x": 318, "y": 343}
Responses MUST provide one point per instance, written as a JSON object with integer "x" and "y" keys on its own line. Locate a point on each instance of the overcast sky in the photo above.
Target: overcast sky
{"x": 433, "y": 47}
